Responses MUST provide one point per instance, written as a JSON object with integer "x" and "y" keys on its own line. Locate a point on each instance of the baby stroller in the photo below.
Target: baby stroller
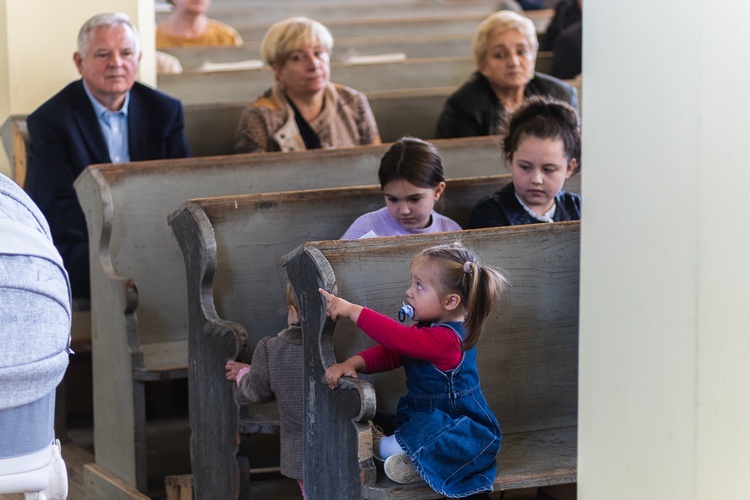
{"x": 35, "y": 315}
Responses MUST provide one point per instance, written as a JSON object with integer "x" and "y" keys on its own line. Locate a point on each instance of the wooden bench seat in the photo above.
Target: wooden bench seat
{"x": 138, "y": 309}
{"x": 527, "y": 356}
{"x": 558, "y": 465}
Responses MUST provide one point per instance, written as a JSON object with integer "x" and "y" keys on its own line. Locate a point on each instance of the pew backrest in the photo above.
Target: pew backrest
{"x": 132, "y": 239}
{"x": 15, "y": 138}
{"x": 210, "y": 127}
{"x": 419, "y": 46}
{"x": 457, "y": 23}
{"x": 217, "y": 86}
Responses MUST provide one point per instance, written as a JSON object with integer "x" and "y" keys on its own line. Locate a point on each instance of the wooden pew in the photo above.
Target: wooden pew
{"x": 15, "y": 137}
{"x": 527, "y": 356}
{"x": 231, "y": 247}
{"x": 413, "y": 47}
{"x": 210, "y": 127}
{"x": 244, "y": 15}
{"x": 218, "y": 86}
{"x": 430, "y": 72}
{"x": 139, "y": 315}
{"x": 389, "y": 26}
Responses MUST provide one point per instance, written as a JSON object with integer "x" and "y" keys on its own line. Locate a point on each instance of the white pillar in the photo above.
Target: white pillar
{"x": 665, "y": 339}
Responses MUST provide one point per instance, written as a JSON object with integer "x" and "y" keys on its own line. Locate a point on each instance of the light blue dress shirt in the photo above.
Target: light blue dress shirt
{"x": 114, "y": 125}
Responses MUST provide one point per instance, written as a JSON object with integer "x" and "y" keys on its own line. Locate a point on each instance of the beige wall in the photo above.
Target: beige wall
{"x": 37, "y": 44}
{"x": 665, "y": 339}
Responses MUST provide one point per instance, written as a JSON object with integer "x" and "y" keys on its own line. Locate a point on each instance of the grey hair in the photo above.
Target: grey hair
{"x": 109, "y": 19}
{"x": 284, "y": 37}
{"x": 502, "y": 22}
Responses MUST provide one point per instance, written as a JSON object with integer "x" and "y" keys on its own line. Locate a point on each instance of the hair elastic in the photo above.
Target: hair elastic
{"x": 467, "y": 266}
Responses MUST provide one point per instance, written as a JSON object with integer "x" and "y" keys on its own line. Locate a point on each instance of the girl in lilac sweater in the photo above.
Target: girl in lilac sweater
{"x": 411, "y": 177}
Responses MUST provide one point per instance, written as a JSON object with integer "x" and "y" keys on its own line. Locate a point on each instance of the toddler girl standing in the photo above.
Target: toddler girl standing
{"x": 445, "y": 431}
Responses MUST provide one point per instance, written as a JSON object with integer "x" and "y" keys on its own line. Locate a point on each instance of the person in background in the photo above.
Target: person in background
{"x": 567, "y": 61}
{"x": 543, "y": 149}
{"x": 411, "y": 177}
{"x": 275, "y": 374}
{"x": 567, "y": 13}
{"x": 188, "y": 25}
{"x": 303, "y": 110}
{"x": 104, "y": 117}
{"x": 505, "y": 46}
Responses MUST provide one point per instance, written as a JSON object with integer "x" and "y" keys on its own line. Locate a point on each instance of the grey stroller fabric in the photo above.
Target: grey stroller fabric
{"x": 35, "y": 303}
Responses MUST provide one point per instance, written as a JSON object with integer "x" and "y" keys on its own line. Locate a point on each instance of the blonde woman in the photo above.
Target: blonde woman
{"x": 505, "y": 46}
{"x": 303, "y": 110}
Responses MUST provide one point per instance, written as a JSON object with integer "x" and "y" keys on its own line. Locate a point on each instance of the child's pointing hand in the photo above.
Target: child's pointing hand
{"x": 338, "y": 307}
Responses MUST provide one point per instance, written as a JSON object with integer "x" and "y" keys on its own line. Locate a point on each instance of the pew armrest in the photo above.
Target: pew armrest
{"x": 335, "y": 427}
{"x": 218, "y": 449}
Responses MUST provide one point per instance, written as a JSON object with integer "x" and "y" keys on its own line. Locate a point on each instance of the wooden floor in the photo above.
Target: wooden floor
{"x": 168, "y": 445}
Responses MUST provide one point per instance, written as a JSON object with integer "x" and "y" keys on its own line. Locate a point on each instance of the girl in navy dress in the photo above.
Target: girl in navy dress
{"x": 445, "y": 431}
{"x": 543, "y": 150}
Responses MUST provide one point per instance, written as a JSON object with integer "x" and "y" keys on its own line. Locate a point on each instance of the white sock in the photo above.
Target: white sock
{"x": 388, "y": 446}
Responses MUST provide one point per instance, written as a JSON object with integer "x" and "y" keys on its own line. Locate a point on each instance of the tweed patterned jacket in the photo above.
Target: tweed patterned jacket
{"x": 276, "y": 374}
{"x": 267, "y": 124}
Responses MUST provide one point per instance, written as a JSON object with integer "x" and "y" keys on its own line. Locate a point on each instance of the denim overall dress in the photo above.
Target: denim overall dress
{"x": 446, "y": 427}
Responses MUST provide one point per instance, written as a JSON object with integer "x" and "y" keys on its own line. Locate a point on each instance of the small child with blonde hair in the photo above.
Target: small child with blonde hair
{"x": 276, "y": 374}
{"x": 445, "y": 432}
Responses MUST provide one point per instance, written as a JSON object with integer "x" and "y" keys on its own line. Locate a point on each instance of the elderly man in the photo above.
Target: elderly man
{"x": 104, "y": 117}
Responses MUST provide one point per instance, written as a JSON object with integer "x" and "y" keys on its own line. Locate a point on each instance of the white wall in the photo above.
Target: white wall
{"x": 37, "y": 41}
{"x": 665, "y": 339}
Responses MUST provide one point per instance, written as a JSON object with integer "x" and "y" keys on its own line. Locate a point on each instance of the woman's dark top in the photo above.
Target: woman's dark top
{"x": 474, "y": 109}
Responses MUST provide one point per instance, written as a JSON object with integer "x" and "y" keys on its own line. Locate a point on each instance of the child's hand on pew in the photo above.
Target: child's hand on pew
{"x": 348, "y": 368}
{"x": 338, "y": 307}
{"x": 233, "y": 369}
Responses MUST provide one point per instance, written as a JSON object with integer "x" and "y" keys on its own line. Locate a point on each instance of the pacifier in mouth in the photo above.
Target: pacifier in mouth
{"x": 406, "y": 310}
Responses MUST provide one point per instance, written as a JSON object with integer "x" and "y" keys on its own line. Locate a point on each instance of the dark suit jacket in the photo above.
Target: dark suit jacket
{"x": 66, "y": 138}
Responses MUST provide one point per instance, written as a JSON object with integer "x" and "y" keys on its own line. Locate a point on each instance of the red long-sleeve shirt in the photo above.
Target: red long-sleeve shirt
{"x": 437, "y": 344}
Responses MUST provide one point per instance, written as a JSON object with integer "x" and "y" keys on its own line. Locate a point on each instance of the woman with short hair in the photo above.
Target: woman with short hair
{"x": 303, "y": 110}
{"x": 505, "y": 46}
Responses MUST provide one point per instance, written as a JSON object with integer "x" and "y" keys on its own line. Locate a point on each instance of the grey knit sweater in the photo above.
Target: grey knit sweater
{"x": 276, "y": 374}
